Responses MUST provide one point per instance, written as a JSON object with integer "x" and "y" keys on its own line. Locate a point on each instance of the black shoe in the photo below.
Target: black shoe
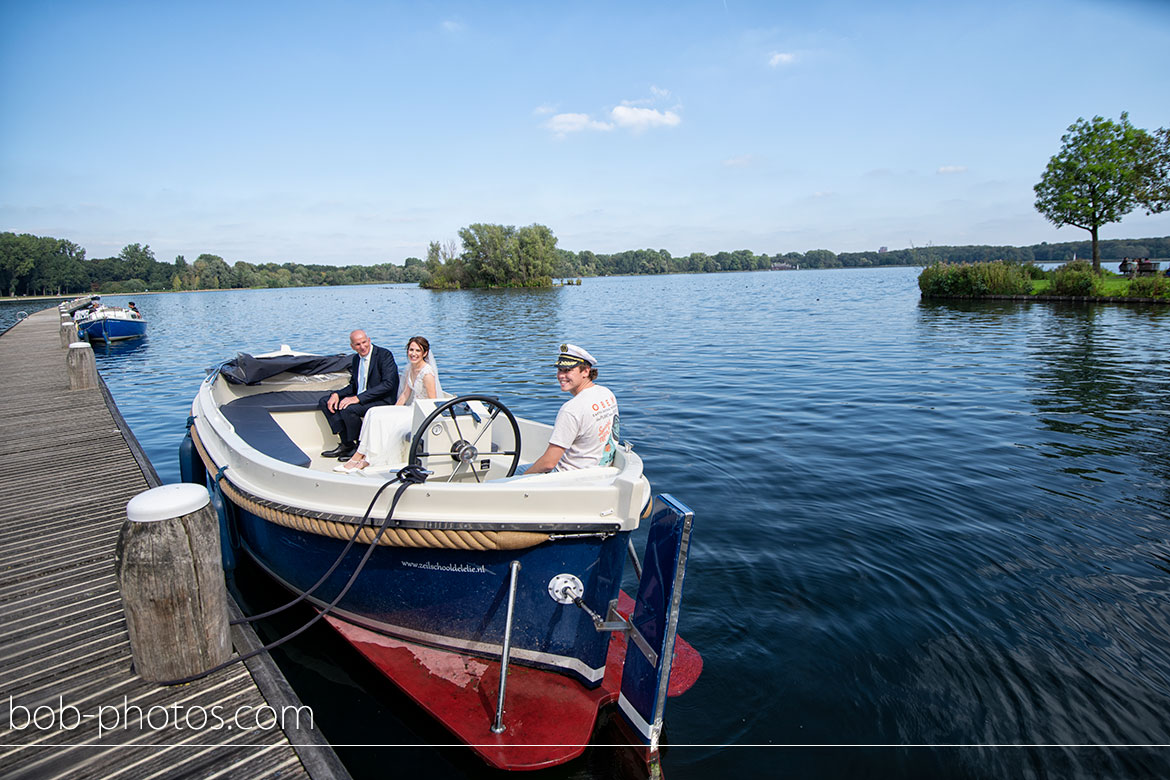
{"x": 342, "y": 451}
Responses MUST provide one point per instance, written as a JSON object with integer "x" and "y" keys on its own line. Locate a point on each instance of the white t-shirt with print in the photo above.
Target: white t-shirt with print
{"x": 587, "y": 427}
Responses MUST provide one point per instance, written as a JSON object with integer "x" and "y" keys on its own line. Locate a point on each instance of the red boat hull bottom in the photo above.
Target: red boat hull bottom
{"x": 548, "y": 718}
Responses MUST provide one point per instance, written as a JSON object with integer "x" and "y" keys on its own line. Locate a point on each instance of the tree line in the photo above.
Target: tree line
{"x": 486, "y": 256}
{"x": 36, "y": 265}
{"x": 649, "y": 261}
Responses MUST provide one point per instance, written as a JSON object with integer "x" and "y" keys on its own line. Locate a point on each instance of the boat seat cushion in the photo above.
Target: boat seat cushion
{"x": 251, "y": 416}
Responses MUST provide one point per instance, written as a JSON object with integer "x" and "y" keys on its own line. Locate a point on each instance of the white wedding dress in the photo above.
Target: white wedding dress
{"x": 386, "y": 430}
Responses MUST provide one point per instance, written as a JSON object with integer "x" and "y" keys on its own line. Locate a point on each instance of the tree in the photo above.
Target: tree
{"x": 60, "y": 268}
{"x": 18, "y": 258}
{"x": 821, "y": 258}
{"x": 1103, "y": 171}
{"x": 1154, "y": 194}
{"x": 137, "y": 261}
{"x": 489, "y": 252}
{"x": 495, "y": 256}
{"x": 244, "y": 275}
{"x": 536, "y": 250}
{"x": 212, "y": 272}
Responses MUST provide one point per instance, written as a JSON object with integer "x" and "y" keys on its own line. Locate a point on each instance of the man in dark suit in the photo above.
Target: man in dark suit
{"x": 373, "y": 381}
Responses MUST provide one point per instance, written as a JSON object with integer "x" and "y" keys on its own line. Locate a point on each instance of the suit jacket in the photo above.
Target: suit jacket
{"x": 381, "y": 382}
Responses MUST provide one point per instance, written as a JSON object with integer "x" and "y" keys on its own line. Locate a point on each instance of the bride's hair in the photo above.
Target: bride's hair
{"x": 423, "y": 344}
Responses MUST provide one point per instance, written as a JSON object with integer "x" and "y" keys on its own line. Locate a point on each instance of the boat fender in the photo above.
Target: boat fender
{"x": 191, "y": 468}
{"x": 229, "y": 542}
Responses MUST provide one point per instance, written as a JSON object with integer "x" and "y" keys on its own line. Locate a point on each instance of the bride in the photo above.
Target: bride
{"x": 382, "y": 430}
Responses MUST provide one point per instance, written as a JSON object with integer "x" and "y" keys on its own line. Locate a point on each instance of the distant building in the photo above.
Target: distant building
{"x": 882, "y": 250}
{"x": 783, "y": 267}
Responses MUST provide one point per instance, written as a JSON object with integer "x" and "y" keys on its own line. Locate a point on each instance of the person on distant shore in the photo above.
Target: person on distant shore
{"x": 382, "y": 431}
{"x": 373, "y": 382}
{"x": 586, "y": 430}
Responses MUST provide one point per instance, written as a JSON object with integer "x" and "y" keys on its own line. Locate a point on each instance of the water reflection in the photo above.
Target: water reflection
{"x": 119, "y": 349}
{"x": 1067, "y": 606}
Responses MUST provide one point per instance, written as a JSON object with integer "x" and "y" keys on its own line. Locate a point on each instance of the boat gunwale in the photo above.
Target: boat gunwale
{"x": 247, "y": 468}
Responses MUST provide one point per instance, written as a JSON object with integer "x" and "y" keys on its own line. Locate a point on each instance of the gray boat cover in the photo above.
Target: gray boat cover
{"x": 249, "y": 370}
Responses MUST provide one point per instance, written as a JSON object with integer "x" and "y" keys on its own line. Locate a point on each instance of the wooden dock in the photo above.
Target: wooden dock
{"x": 70, "y": 705}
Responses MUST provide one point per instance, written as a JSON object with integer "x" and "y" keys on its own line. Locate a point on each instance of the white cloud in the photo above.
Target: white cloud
{"x": 778, "y": 58}
{"x": 742, "y": 161}
{"x": 656, "y": 94}
{"x": 451, "y": 26}
{"x": 562, "y": 124}
{"x": 633, "y": 115}
{"x": 639, "y": 119}
{"x": 949, "y": 169}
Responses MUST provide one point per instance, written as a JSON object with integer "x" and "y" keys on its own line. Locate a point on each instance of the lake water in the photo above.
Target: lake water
{"x": 917, "y": 524}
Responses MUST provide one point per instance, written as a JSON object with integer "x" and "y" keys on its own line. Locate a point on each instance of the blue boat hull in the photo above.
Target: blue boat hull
{"x": 113, "y": 329}
{"x": 456, "y": 599}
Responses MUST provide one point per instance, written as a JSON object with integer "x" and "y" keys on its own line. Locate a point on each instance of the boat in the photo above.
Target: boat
{"x": 494, "y": 600}
{"x": 82, "y": 302}
{"x": 111, "y": 323}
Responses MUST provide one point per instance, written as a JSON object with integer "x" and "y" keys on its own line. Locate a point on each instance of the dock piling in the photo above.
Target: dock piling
{"x": 82, "y": 366}
{"x": 68, "y": 333}
{"x": 172, "y": 583}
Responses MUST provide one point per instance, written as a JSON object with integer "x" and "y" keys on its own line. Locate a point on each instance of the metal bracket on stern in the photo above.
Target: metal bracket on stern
{"x": 568, "y": 589}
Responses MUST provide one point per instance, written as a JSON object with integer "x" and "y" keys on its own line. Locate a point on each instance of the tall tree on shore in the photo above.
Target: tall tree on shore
{"x": 1103, "y": 171}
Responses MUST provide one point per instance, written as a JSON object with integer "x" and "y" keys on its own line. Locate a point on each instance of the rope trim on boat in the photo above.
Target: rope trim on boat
{"x": 391, "y": 537}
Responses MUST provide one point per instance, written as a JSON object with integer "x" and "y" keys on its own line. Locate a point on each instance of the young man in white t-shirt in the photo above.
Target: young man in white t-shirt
{"x": 586, "y": 430}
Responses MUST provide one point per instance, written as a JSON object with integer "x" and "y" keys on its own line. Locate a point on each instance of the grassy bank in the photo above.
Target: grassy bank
{"x": 1076, "y": 279}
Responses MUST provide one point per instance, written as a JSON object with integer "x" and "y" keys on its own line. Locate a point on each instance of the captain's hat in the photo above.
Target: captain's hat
{"x": 572, "y": 355}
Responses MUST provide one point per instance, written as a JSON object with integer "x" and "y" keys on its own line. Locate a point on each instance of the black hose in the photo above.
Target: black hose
{"x": 409, "y": 475}
{"x": 341, "y": 556}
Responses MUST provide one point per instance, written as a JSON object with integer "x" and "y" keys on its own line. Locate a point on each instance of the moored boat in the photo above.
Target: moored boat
{"x": 111, "y": 323}
{"x": 83, "y": 302}
{"x": 465, "y": 561}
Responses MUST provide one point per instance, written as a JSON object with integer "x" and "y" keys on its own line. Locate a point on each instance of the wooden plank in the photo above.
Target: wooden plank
{"x": 62, "y": 632}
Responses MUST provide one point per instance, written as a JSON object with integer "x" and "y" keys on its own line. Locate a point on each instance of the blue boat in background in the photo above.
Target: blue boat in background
{"x": 111, "y": 323}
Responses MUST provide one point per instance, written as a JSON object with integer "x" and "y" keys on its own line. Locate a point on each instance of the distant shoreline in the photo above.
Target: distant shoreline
{"x": 71, "y": 296}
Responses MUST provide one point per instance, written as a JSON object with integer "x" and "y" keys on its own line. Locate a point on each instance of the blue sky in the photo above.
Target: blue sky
{"x": 357, "y": 132}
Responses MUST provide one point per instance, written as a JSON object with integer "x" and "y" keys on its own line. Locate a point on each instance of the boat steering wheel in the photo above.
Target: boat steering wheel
{"x": 465, "y": 449}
